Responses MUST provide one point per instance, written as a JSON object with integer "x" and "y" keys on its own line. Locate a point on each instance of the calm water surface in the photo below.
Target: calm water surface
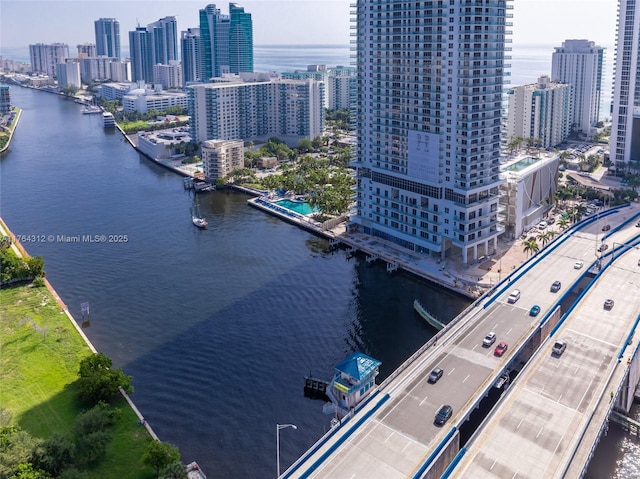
{"x": 217, "y": 327}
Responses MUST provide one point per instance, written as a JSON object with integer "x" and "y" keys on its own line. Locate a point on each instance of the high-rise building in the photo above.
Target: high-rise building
{"x": 625, "y": 127}
{"x": 540, "y": 111}
{"x": 191, "y": 55}
{"x": 164, "y": 38}
{"x": 141, "y": 51}
{"x": 95, "y": 68}
{"x": 580, "y": 63}
{"x": 240, "y": 40}
{"x": 107, "y": 37}
{"x": 227, "y": 41}
{"x": 430, "y": 78}
{"x": 5, "y": 99}
{"x": 69, "y": 73}
{"x": 214, "y": 32}
{"x": 87, "y": 50}
{"x": 169, "y": 76}
{"x": 256, "y": 110}
{"x": 46, "y": 57}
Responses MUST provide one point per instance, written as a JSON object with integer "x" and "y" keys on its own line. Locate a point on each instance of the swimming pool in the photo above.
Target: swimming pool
{"x": 298, "y": 207}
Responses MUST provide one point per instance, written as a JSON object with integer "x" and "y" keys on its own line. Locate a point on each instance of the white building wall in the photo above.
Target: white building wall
{"x": 221, "y": 157}
{"x": 69, "y": 74}
{"x": 169, "y": 76}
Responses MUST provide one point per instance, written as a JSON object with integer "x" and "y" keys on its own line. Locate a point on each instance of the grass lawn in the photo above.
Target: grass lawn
{"x": 40, "y": 352}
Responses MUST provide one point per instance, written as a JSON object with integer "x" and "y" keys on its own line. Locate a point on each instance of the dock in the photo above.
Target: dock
{"x": 427, "y": 316}
{"x": 316, "y": 388}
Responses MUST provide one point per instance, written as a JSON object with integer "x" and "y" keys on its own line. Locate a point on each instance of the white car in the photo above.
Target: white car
{"x": 578, "y": 265}
{"x": 542, "y": 225}
{"x": 489, "y": 339}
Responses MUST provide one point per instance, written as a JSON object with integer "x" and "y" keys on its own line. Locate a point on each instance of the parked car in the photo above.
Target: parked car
{"x": 559, "y": 347}
{"x": 608, "y": 303}
{"x": 578, "y": 265}
{"x": 443, "y": 415}
{"x": 514, "y": 296}
{"x": 435, "y": 375}
{"x": 542, "y": 225}
{"x": 555, "y": 287}
{"x": 535, "y": 309}
{"x": 501, "y": 348}
{"x": 489, "y": 339}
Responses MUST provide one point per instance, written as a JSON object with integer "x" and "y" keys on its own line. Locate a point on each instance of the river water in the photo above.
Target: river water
{"x": 218, "y": 327}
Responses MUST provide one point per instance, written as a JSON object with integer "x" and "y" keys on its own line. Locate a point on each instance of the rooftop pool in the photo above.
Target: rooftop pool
{"x": 522, "y": 164}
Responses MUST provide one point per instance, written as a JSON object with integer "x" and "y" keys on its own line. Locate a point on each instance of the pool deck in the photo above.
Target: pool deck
{"x": 471, "y": 280}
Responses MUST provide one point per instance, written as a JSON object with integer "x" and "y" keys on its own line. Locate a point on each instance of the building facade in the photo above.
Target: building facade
{"x": 214, "y": 33}
{"x": 143, "y": 100}
{"x": 240, "y": 40}
{"x": 580, "y": 64}
{"x": 256, "y": 110}
{"x": 190, "y": 45}
{"x": 221, "y": 157}
{"x": 69, "y": 73}
{"x": 5, "y": 99}
{"x": 46, "y": 57}
{"x": 87, "y": 50}
{"x": 107, "y": 37}
{"x": 164, "y": 40}
{"x": 540, "y": 111}
{"x": 625, "y": 127}
{"x": 141, "y": 51}
{"x": 95, "y": 68}
{"x": 430, "y": 80}
{"x": 169, "y": 76}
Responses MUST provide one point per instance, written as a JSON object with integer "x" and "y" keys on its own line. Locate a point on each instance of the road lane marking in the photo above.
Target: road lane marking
{"x": 520, "y": 423}
{"x": 451, "y": 371}
{"x": 466, "y": 378}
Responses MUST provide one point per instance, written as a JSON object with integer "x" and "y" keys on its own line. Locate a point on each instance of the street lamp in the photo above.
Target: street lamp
{"x": 278, "y": 427}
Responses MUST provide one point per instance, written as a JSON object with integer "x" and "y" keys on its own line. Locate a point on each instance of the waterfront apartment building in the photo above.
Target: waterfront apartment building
{"x": 540, "y": 111}
{"x": 256, "y": 109}
{"x": 169, "y": 76}
{"x": 120, "y": 71}
{"x": 115, "y": 90}
{"x": 221, "y": 157}
{"x": 46, "y": 57}
{"x": 107, "y": 37}
{"x": 580, "y": 64}
{"x": 5, "y": 99}
{"x": 190, "y": 45}
{"x": 340, "y": 84}
{"x": 226, "y": 41}
{"x": 430, "y": 78}
{"x": 69, "y": 73}
{"x": 625, "y": 128}
{"x": 164, "y": 40}
{"x": 87, "y": 50}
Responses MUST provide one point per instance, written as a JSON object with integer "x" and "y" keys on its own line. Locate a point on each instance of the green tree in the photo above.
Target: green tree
{"x": 531, "y": 246}
{"x": 159, "y": 455}
{"x": 305, "y": 145}
{"x": 98, "y": 382}
{"x": 16, "y": 447}
{"x": 563, "y": 223}
{"x": 35, "y": 264}
{"x": 55, "y": 454}
{"x": 27, "y": 471}
{"x": 5, "y": 242}
{"x": 92, "y": 446}
{"x": 175, "y": 470}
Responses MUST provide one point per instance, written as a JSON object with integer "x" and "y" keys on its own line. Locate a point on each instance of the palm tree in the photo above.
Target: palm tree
{"x": 544, "y": 237}
{"x": 531, "y": 246}
{"x": 563, "y": 223}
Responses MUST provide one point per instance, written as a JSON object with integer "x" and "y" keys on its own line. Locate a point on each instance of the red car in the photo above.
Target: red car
{"x": 500, "y": 349}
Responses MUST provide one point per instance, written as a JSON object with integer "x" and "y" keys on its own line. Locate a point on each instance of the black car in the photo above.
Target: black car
{"x": 603, "y": 247}
{"x": 443, "y": 415}
{"x": 435, "y": 375}
{"x": 555, "y": 287}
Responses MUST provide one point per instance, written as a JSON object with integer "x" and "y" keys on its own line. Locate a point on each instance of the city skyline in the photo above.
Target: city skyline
{"x": 540, "y": 22}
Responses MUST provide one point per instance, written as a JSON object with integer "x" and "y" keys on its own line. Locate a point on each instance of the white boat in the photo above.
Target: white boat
{"x": 89, "y": 109}
{"x": 199, "y": 222}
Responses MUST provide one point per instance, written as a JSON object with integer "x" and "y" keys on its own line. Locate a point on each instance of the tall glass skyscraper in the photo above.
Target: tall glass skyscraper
{"x": 164, "y": 36}
{"x": 227, "y": 41}
{"x": 107, "y": 37}
{"x": 141, "y": 51}
{"x": 625, "y": 127}
{"x": 214, "y": 34}
{"x": 430, "y": 78}
{"x": 191, "y": 54}
{"x": 240, "y": 40}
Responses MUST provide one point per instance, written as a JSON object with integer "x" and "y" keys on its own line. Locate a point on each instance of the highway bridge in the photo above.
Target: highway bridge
{"x": 556, "y": 408}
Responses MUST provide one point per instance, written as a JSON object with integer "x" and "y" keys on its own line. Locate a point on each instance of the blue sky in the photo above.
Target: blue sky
{"x": 278, "y": 22}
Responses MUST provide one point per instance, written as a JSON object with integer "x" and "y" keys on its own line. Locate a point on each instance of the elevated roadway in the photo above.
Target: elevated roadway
{"x": 392, "y": 435}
